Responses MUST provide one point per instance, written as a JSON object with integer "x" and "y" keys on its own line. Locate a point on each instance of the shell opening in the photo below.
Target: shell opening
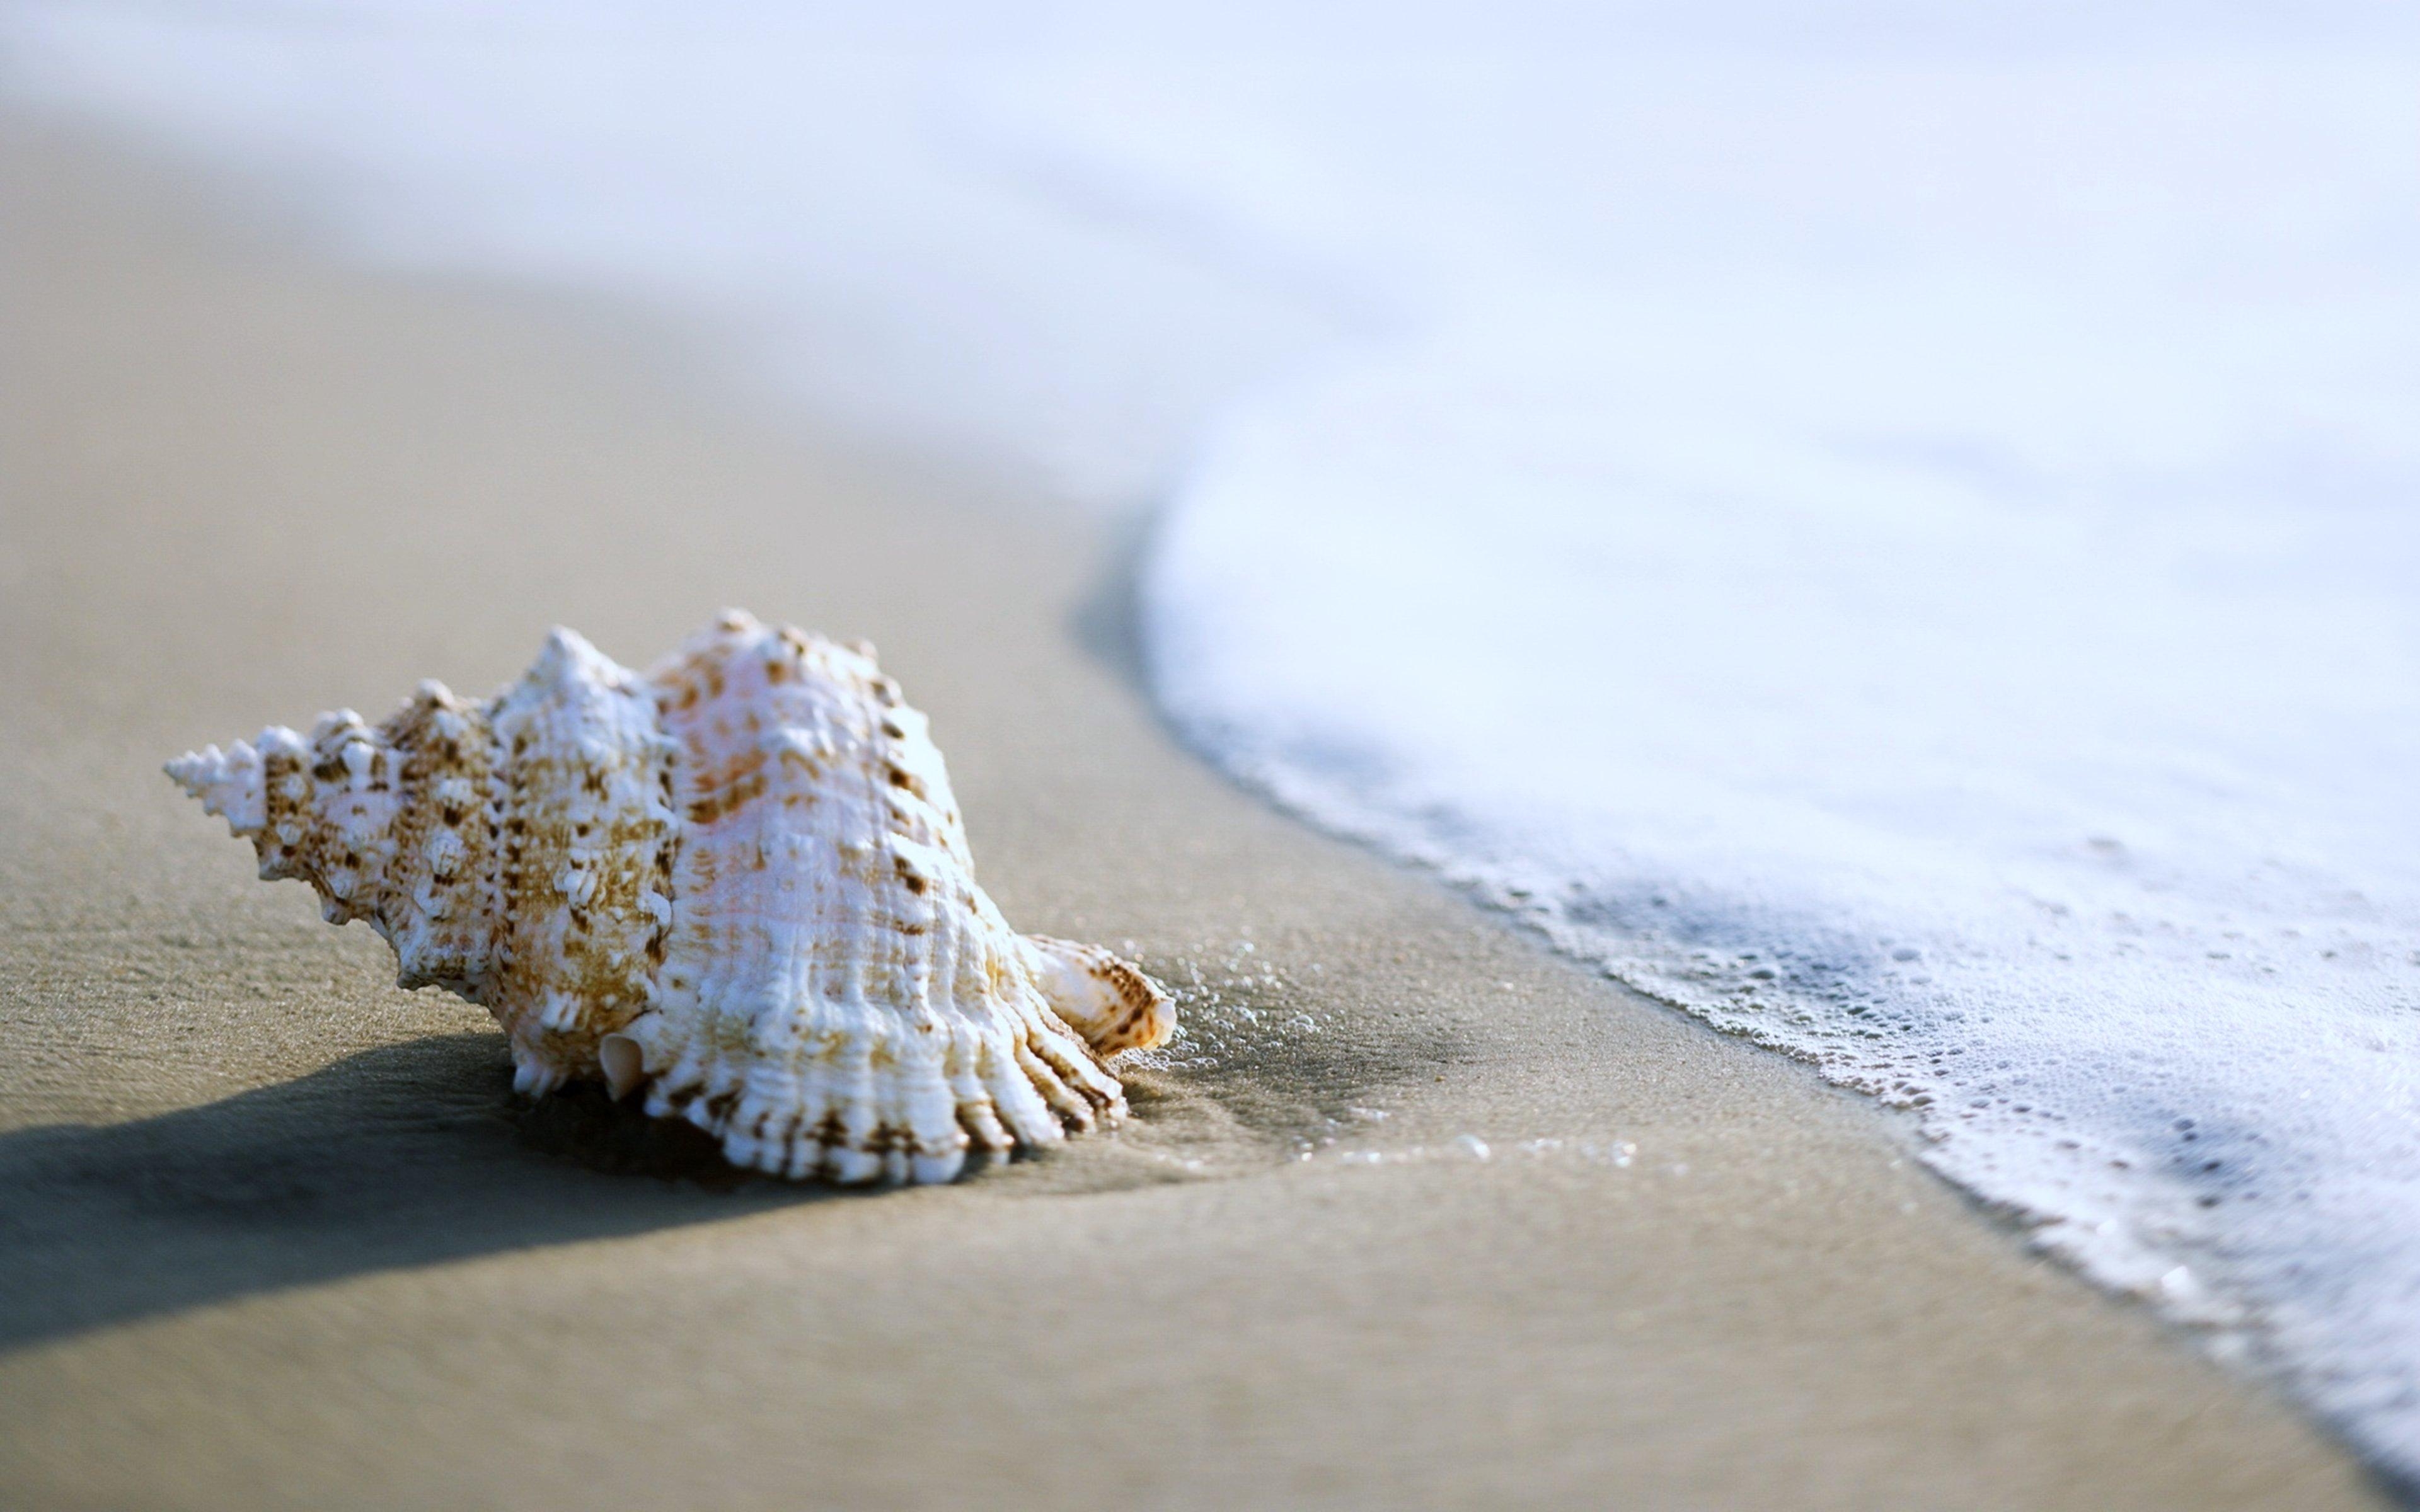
{"x": 625, "y": 1064}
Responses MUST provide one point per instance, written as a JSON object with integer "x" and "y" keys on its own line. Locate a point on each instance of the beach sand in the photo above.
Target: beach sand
{"x": 275, "y": 1233}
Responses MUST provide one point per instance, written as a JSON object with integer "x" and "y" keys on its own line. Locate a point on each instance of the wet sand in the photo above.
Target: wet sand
{"x": 1418, "y": 1215}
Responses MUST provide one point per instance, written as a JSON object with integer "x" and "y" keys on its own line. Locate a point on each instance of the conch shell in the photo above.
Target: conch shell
{"x": 737, "y": 883}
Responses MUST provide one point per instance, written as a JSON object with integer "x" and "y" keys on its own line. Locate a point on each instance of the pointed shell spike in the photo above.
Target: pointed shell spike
{"x": 737, "y": 886}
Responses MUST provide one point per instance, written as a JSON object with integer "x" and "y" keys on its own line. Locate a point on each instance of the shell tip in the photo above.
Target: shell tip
{"x": 186, "y": 770}
{"x": 229, "y": 782}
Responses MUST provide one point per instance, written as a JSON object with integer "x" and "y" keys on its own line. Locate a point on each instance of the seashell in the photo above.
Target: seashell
{"x": 738, "y": 884}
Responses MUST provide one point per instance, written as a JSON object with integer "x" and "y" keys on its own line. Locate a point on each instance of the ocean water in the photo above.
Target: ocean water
{"x": 1894, "y": 529}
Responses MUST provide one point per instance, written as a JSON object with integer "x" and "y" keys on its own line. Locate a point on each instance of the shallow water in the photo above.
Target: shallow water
{"x": 1891, "y": 529}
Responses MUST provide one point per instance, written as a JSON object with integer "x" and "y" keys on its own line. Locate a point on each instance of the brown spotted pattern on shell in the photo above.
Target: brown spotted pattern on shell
{"x": 737, "y": 886}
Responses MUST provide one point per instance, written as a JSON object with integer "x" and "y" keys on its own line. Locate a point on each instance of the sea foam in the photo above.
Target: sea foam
{"x": 1961, "y": 631}
{"x": 2059, "y": 792}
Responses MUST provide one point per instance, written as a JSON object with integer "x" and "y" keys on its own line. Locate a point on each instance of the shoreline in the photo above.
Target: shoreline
{"x": 285, "y": 1238}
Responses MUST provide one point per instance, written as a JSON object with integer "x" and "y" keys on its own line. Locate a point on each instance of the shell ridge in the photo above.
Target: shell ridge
{"x": 583, "y": 827}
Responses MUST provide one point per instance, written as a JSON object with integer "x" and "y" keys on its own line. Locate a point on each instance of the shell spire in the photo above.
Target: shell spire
{"x": 739, "y": 884}
{"x": 229, "y": 782}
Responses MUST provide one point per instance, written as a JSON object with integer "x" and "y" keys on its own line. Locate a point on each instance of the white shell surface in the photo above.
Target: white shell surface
{"x": 588, "y": 833}
{"x": 738, "y": 885}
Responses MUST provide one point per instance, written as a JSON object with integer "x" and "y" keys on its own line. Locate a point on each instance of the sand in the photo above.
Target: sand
{"x": 275, "y": 1233}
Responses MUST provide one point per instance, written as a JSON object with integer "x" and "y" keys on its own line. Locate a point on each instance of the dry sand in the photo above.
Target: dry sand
{"x": 275, "y": 1233}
